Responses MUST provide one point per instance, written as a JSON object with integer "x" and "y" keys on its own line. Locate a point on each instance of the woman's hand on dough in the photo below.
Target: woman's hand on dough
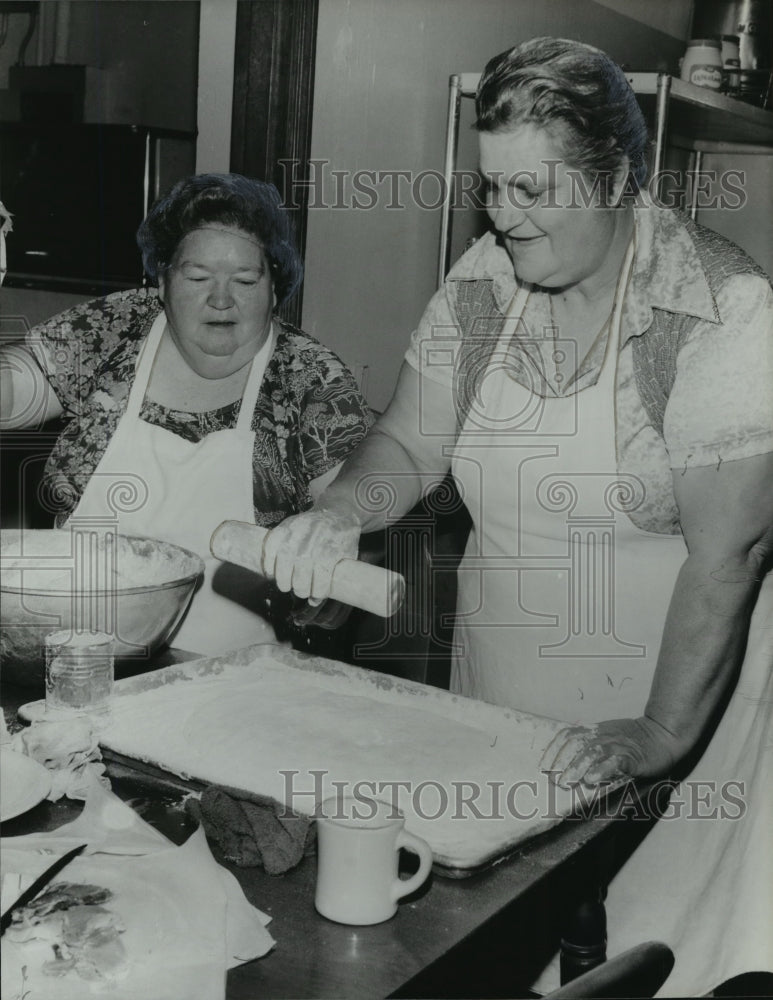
{"x": 611, "y": 751}
{"x": 301, "y": 553}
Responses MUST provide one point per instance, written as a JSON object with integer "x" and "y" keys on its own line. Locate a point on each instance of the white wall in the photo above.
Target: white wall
{"x": 217, "y": 33}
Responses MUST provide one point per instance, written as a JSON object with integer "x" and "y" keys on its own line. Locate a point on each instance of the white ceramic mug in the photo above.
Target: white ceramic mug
{"x": 358, "y": 848}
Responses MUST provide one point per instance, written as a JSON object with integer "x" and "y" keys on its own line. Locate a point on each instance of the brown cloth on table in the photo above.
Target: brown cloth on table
{"x": 253, "y": 830}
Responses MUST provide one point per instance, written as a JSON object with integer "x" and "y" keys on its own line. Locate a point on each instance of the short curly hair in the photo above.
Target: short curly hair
{"x": 557, "y": 81}
{"x": 229, "y": 199}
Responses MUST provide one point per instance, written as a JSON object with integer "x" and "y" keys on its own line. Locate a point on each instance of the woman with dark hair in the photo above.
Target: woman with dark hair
{"x": 596, "y": 374}
{"x": 242, "y": 203}
{"x": 195, "y": 396}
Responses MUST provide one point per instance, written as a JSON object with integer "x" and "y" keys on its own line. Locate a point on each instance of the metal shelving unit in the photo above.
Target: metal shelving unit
{"x": 693, "y": 118}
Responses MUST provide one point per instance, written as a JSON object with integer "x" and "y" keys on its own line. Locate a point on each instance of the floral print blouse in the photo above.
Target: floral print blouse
{"x": 308, "y": 417}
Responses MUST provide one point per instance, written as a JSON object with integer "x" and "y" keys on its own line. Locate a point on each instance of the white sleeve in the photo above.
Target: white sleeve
{"x": 435, "y": 343}
{"x": 721, "y": 404}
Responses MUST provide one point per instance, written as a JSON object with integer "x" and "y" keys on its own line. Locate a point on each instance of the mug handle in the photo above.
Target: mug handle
{"x": 404, "y": 887}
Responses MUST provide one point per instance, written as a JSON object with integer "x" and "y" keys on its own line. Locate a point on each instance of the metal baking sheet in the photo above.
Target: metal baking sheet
{"x": 299, "y": 728}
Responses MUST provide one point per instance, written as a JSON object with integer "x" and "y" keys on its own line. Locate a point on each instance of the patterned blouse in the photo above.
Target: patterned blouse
{"x": 308, "y": 417}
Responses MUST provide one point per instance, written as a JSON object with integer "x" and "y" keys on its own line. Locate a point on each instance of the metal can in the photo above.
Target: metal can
{"x": 753, "y": 27}
{"x": 731, "y": 63}
{"x": 702, "y": 63}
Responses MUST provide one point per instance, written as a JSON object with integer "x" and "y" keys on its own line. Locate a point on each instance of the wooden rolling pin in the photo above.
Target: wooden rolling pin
{"x": 359, "y": 584}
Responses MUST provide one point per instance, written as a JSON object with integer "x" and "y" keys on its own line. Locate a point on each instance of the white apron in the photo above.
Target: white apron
{"x": 561, "y": 606}
{"x": 191, "y": 488}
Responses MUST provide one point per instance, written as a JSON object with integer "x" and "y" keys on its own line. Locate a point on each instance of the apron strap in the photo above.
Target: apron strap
{"x": 254, "y": 382}
{"x": 622, "y": 286}
{"x": 513, "y": 317}
{"x": 145, "y": 365}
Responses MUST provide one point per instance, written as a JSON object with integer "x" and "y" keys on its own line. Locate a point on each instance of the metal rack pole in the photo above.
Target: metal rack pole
{"x": 694, "y": 169}
{"x": 661, "y": 124}
{"x": 449, "y": 168}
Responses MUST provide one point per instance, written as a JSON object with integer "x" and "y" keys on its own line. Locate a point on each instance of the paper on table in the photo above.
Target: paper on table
{"x": 69, "y": 750}
{"x": 187, "y": 920}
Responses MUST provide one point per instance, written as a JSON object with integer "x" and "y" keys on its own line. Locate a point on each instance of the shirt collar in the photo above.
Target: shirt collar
{"x": 667, "y": 272}
{"x": 487, "y": 260}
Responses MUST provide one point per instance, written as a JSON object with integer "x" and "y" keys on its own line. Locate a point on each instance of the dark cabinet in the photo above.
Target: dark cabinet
{"x": 78, "y": 194}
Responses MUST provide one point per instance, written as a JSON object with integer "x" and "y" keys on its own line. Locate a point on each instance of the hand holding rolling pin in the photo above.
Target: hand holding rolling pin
{"x": 314, "y": 554}
{"x": 302, "y": 552}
